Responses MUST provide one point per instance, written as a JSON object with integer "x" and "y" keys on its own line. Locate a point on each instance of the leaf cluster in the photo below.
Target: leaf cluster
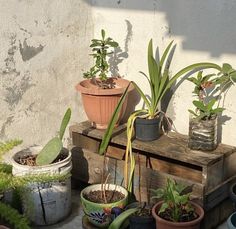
{"x": 175, "y": 199}
{"x": 101, "y": 48}
{"x": 209, "y": 89}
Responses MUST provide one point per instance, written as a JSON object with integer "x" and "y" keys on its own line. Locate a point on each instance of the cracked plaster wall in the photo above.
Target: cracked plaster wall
{"x": 43, "y": 44}
{"x": 192, "y": 24}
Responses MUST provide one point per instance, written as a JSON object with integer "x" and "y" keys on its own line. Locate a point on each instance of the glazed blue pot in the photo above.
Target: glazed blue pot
{"x": 231, "y": 222}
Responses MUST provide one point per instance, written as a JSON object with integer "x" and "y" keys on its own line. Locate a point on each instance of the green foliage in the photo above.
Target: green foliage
{"x": 12, "y": 216}
{"x": 159, "y": 82}
{"x": 117, "y": 223}
{"x": 49, "y": 152}
{"x": 175, "y": 199}
{"x": 8, "y": 145}
{"x": 101, "y": 49}
{"x": 209, "y": 89}
{"x": 53, "y": 148}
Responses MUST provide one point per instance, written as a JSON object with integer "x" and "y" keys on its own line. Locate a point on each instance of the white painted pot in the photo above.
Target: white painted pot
{"x": 45, "y": 203}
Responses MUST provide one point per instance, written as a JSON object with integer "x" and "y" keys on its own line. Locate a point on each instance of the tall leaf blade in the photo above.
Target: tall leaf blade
{"x": 164, "y": 56}
{"x": 107, "y": 136}
{"x": 117, "y": 223}
{"x": 201, "y": 65}
{"x": 64, "y": 123}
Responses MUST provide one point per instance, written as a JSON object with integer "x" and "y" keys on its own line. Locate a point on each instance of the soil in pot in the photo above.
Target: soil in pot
{"x": 98, "y": 196}
{"x": 30, "y": 160}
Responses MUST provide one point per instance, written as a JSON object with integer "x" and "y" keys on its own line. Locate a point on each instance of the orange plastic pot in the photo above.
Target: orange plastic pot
{"x": 164, "y": 224}
{"x": 99, "y": 104}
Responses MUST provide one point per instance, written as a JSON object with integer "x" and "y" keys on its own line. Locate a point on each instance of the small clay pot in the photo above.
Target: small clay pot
{"x": 4, "y": 227}
{"x": 164, "y": 224}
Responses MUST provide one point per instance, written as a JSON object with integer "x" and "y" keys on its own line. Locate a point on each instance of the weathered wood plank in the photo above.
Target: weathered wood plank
{"x": 172, "y": 146}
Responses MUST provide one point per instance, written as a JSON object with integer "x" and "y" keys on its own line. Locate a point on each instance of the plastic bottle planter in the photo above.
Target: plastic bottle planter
{"x": 202, "y": 134}
{"x": 45, "y": 203}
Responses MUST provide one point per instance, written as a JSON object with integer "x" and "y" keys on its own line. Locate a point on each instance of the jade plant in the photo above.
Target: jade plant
{"x": 160, "y": 82}
{"x": 176, "y": 202}
{"x": 101, "y": 48}
{"x": 209, "y": 89}
{"x": 53, "y": 148}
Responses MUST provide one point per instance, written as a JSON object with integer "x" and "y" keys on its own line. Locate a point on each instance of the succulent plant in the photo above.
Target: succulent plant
{"x": 53, "y": 148}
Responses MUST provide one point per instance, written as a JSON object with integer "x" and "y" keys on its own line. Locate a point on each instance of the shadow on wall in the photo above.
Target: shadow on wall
{"x": 204, "y": 25}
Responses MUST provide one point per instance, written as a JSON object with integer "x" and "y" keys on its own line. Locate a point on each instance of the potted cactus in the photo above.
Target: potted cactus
{"x": 209, "y": 90}
{"x": 100, "y": 92}
{"x": 47, "y": 200}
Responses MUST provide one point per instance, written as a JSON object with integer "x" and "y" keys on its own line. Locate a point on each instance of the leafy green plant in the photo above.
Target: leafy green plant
{"x": 209, "y": 89}
{"x": 160, "y": 82}
{"x": 101, "y": 49}
{"x": 175, "y": 201}
{"x": 53, "y": 148}
{"x": 13, "y": 217}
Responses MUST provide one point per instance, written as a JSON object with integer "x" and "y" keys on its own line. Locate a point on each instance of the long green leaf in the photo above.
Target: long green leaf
{"x": 163, "y": 58}
{"x": 107, "y": 136}
{"x": 202, "y": 65}
{"x": 64, "y": 123}
{"x": 117, "y": 223}
{"x": 211, "y": 104}
{"x": 147, "y": 103}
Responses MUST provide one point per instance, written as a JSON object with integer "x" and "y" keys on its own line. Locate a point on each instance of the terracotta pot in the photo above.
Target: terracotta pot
{"x": 164, "y": 224}
{"x": 99, "y": 104}
{"x": 3, "y": 227}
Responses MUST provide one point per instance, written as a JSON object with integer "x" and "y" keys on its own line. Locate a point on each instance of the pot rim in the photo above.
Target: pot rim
{"x": 92, "y": 89}
{"x": 33, "y": 149}
{"x": 179, "y": 224}
{"x": 231, "y": 189}
{"x": 94, "y": 186}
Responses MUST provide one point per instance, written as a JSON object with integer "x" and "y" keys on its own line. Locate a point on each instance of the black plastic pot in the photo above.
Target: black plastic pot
{"x": 142, "y": 222}
{"x": 147, "y": 129}
{"x": 232, "y": 194}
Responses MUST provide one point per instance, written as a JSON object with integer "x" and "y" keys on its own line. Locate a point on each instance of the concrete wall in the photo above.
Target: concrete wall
{"x": 43, "y": 44}
{"x": 44, "y": 50}
{"x": 202, "y": 31}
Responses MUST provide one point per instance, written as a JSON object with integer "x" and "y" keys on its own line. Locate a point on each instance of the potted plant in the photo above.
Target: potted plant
{"x": 101, "y": 93}
{"x": 46, "y": 197}
{"x": 103, "y": 202}
{"x": 8, "y": 215}
{"x": 176, "y": 210}
{"x": 160, "y": 82}
{"x": 209, "y": 89}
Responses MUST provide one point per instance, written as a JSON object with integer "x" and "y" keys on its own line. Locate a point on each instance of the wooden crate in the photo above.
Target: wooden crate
{"x": 209, "y": 174}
